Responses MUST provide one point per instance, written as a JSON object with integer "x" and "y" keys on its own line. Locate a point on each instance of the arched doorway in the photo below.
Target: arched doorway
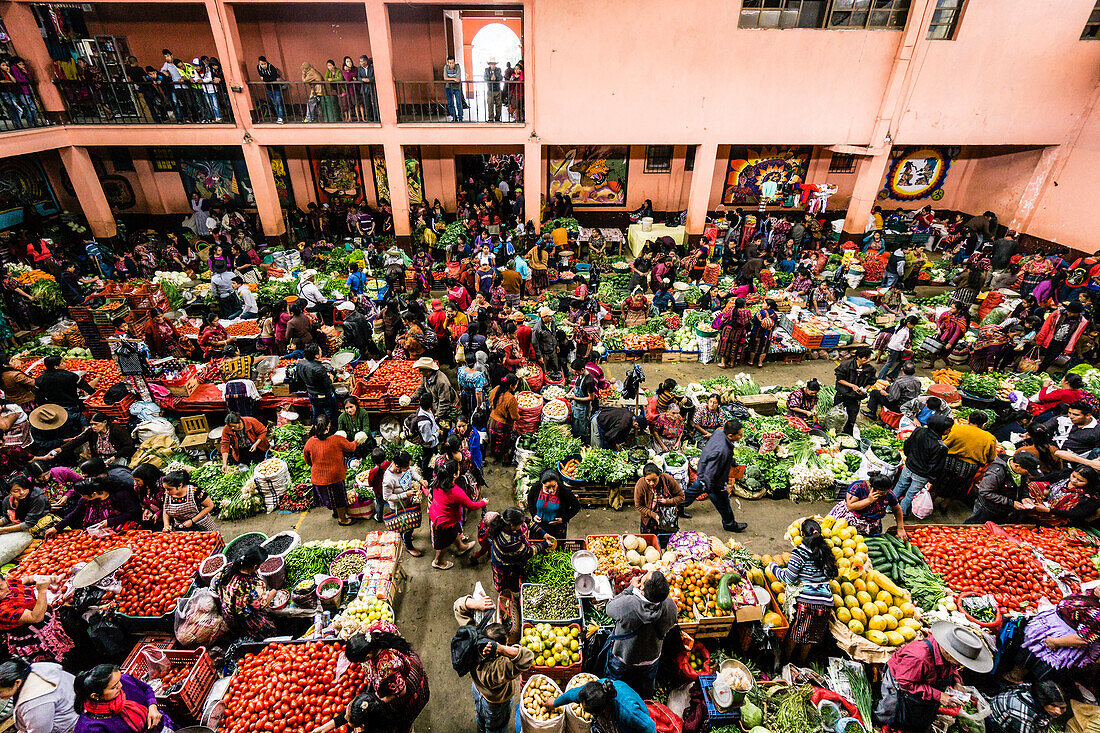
{"x": 494, "y": 41}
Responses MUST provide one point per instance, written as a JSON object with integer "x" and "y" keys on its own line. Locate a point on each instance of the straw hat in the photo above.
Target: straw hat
{"x": 307, "y": 275}
{"x": 347, "y": 305}
{"x": 100, "y": 566}
{"x": 964, "y": 646}
{"x": 48, "y": 417}
{"x": 544, "y": 311}
{"x": 426, "y": 362}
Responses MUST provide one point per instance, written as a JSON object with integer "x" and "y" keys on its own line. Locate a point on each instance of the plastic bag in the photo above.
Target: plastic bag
{"x": 100, "y": 530}
{"x": 156, "y": 662}
{"x": 665, "y": 720}
{"x": 922, "y": 504}
{"x": 198, "y": 621}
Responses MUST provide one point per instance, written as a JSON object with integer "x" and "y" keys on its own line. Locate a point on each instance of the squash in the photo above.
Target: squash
{"x": 725, "y": 599}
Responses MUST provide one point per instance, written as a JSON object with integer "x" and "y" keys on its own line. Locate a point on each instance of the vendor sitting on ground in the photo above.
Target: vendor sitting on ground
{"x": 245, "y": 597}
{"x": 25, "y": 506}
{"x": 1058, "y": 642}
{"x": 244, "y": 440}
{"x": 709, "y": 417}
{"x": 802, "y": 402}
{"x": 916, "y": 411}
{"x": 923, "y": 675}
{"x": 1000, "y": 497}
{"x": 902, "y": 390}
{"x": 867, "y": 502}
{"x": 614, "y": 705}
{"x": 668, "y": 428}
{"x": 99, "y": 505}
{"x": 1074, "y": 499}
{"x": 1026, "y": 708}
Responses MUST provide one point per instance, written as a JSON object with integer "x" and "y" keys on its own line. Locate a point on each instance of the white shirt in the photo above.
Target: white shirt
{"x": 311, "y": 293}
{"x": 504, "y": 187}
{"x": 247, "y": 299}
{"x": 395, "y": 486}
{"x": 899, "y": 340}
{"x": 171, "y": 70}
{"x": 1065, "y": 427}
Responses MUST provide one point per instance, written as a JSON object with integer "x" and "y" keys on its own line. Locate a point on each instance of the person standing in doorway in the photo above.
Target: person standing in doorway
{"x": 451, "y": 74}
{"x": 493, "y": 79}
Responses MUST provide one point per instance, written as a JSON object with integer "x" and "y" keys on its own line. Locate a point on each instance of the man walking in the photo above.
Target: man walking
{"x": 493, "y": 79}
{"x": 713, "y": 475}
{"x": 853, "y": 376}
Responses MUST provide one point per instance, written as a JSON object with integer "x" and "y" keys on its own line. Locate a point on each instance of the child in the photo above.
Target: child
{"x": 374, "y": 479}
{"x": 186, "y": 509}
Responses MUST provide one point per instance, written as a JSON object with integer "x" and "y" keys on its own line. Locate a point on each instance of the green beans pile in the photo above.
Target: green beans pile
{"x": 551, "y": 568}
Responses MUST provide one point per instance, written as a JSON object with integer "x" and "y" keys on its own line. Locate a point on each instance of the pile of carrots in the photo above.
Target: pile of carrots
{"x": 947, "y": 376}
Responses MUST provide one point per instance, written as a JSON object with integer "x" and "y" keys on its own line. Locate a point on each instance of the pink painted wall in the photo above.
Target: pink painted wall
{"x": 290, "y": 34}
{"x": 1015, "y": 73}
{"x": 188, "y": 35}
{"x": 1069, "y": 200}
{"x": 418, "y": 41}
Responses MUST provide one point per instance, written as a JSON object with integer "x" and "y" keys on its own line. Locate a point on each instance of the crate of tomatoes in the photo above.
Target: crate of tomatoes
{"x": 180, "y": 678}
{"x": 288, "y": 687}
{"x": 156, "y": 576}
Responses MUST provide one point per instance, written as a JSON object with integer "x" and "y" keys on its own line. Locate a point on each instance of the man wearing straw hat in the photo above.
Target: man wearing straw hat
{"x": 923, "y": 676}
{"x": 435, "y": 383}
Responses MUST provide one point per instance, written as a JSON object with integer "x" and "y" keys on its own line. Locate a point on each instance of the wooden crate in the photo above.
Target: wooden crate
{"x": 186, "y": 389}
{"x": 670, "y": 356}
{"x": 765, "y": 404}
{"x": 689, "y": 356}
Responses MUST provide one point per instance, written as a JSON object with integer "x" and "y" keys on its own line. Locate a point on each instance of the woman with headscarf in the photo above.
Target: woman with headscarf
{"x": 417, "y": 340}
{"x": 733, "y": 324}
{"x": 1074, "y": 499}
{"x": 760, "y": 333}
{"x": 950, "y": 327}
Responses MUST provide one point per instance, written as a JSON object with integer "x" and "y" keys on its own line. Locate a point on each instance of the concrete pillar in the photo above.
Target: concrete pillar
{"x": 448, "y": 176}
{"x": 869, "y": 173}
{"x": 89, "y": 192}
{"x": 27, "y": 40}
{"x": 378, "y": 30}
{"x": 223, "y": 25}
{"x": 706, "y": 157}
{"x": 258, "y": 164}
{"x": 147, "y": 177}
{"x": 532, "y": 180}
{"x": 399, "y": 186}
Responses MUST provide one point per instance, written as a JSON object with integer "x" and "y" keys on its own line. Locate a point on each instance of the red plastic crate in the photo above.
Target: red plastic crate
{"x": 160, "y": 641}
{"x": 807, "y": 340}
{"x": 558, "y": 674}
{"x": 200, "y": 678}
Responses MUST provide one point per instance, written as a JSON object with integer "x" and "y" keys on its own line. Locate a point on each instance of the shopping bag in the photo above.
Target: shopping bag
{"x": 403, "y": 519}
{"x": 922, "y": 504}
{"x": 1029, "y": 364}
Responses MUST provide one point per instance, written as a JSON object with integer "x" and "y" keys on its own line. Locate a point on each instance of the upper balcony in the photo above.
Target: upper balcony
{"x": 458, "y": 65}
{"x": 20, "y": 107}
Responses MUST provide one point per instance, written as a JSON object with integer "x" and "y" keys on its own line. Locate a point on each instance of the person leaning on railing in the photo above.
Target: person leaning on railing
{"x": 271, "y": 76}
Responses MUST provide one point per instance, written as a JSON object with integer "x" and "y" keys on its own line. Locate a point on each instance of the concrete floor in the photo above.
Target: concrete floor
{"x": 424, "y": 612}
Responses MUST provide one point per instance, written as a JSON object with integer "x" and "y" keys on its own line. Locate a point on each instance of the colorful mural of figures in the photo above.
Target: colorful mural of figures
{"x": 23, "y": 183}
{"x": 337, "y": 174}
{"x": 282, "y": 177}
{"x": 414, "y": 175}
{"x": 592, "y": 175}
{"x": 215, "y": 175}
{"x": 752, "y": 171}
{"x": 916, "y": 173}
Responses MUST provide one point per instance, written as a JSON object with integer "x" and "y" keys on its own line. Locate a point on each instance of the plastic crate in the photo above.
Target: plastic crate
{"x": 160, "y": 641}
{"x": 558, "y": 674}
{"x": 715, "y": 716}
{"x": 150, "y": 624}
{"x": 116, "y": 413}
{"x": 523, "y": 590}
{"x": 810, "y": 341}
{"x": 830, "y": 340}
{"x": 190, "y": 697}
{"x": 649, "y": 538}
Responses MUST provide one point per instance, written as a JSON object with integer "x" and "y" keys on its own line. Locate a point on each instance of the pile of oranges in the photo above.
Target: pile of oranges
{"x": 696, "y": 586}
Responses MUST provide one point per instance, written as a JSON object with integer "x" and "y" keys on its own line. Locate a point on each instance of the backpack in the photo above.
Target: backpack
{"x": 411, "y": 426}
{"x": 466, "y": 647}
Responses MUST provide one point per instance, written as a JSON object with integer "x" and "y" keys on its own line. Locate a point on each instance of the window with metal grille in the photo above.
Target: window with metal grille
{"x": 1092, "y": 27}
{"x": 889, "y": 14}
{"x": 842, "y": 163}
{"x": 658, "y": 159}
{"x": 945, "y": 19}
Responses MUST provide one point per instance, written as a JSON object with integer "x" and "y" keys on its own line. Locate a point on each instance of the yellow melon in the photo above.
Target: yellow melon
{"x": 870, "y": 609}
{"x": 877, "y": 623}
{"x": 876, "y": 637}
{"x": 855, "y": 627}
{"x": 843, "y": 615}
{"x": 907, "y": 633}
{"x": 895, "y": 638}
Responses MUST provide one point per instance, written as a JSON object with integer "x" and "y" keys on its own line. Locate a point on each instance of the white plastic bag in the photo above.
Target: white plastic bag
{"x": 922, "y": 504}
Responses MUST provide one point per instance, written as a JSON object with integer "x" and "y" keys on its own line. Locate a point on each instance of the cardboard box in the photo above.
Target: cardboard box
{"x": 184, "y": 389}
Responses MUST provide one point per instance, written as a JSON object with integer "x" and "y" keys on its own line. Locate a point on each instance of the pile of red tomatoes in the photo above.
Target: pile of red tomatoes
{"x": 289, "y": 687}
{"x": 1058, "y": 547}
{"x": 153, "y": 579}
{"x": 975, "y": 560}
{"x": 399, "y": 376}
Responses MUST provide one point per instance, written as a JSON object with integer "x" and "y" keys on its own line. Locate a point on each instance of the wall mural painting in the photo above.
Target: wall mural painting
{"x": 337, "y": 174}
{"x": 216, "y": 177}
{"x": 119, "y": 192}
{"x": 282, "y": 177}
{"x": 592, "y": 175}
{"x": 23, "y": 182}
{"x": 750, "y": 168}
{"x": 917, "y": 173}
{"x": 414, "y": 175}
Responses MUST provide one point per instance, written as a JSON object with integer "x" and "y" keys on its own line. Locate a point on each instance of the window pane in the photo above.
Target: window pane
{"x": 898, "y": 18}
{"x": 879, "y": 19}
{"x": 749, "y": 18}
{"x": 841, "y": 18}
{"x": 773, "y": 3}
{"x": 938, "y": 32}
{"x": 842, "y": 5}
{"x": 813, "y": 14}
{"x": 788, "y": 19}
{"x": 858, "y": 20}
{"x": 862, "y": 4}
{"x": 749, "y": 4}
{"x": 769, "y": 19}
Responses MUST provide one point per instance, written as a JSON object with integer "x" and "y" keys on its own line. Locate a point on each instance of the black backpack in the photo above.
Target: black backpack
{"x": 466, "y": 646}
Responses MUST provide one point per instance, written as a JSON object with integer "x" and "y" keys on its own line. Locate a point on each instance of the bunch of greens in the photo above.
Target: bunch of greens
{"x": 979, "y": 385}
{"x": 653, "y": 325}
{"x": 451, "y": 234}
{"x": 242, "y": 506}
{"x": 291, "y": 436}
{"x": 296, "y": 464}
{"x": 553, "y": 443}
{"x": 604, "y": 466}
{"x": 1028, "y": 384}
{"x": 220, "y": 485}
{"x": 874, "y": 433}
{"x": 172, "y": 292}
{"x": 273, "y": 291}
{"x": 47, "y": 295}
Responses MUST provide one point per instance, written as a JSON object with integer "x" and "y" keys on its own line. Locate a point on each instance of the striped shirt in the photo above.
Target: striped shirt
{"x": 802, "y": 569}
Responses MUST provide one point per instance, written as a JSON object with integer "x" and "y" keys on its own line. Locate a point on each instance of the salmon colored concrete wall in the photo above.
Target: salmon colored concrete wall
{"x": 1016, "y": 72}
{"x": 1069, "y": 201}
{"x": 188, "y": 35}
{"x": 290, "y": 34}
{"x": 418, "y": 41}
{"x": 995, "y": 181}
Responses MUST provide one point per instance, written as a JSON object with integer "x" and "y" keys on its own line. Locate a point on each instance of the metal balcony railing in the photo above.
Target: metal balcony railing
{"x": 148, "y": 103}
{"x": 298, "y": 101}
{"x": 467, "y": 101}
{"x": 20, "y": 107}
